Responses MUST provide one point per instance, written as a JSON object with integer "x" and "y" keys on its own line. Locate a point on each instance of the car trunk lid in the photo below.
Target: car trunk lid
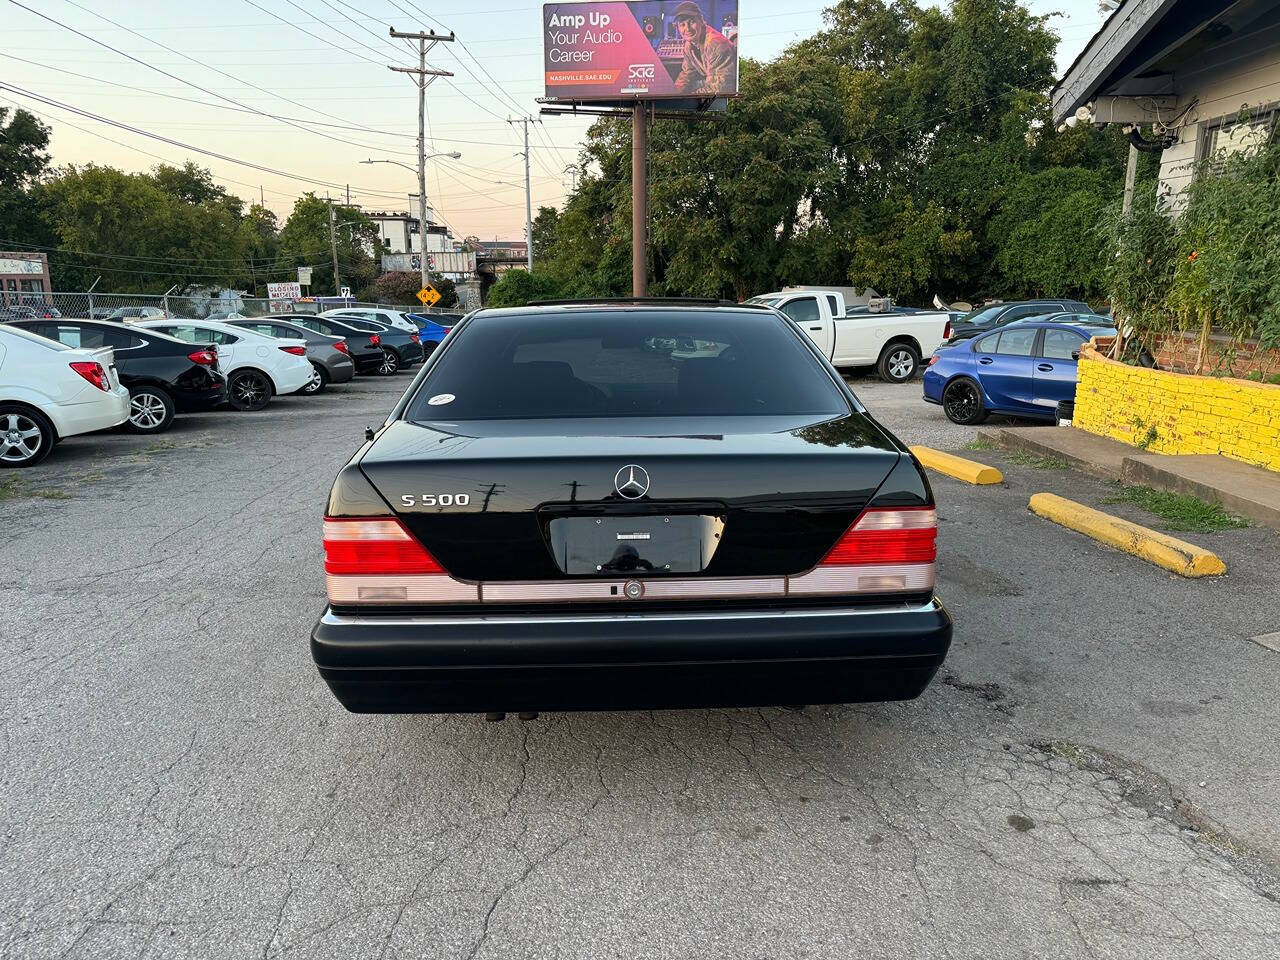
{"x": 552, "y": 500}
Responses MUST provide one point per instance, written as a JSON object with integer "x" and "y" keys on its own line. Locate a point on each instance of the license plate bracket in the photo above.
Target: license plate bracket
{"x": 646, "y": 545}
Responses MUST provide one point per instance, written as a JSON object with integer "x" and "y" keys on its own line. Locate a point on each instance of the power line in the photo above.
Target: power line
{"x": 173, "y": 76}
{"x": 178, "y": 143}
{"x": 204, "y": 103}
{"x": 325, "y": 24}
{"x": 381, "y": 38}
{"x": 265, "y": 262}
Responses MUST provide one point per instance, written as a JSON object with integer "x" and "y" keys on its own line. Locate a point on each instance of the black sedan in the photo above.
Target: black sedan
{"x": 981, "y": 319}
{"x": 401, "y": 349}
{"x": 559, "y": 516}
{"x": 164, "y": 375}
{"x": 365, "y": 346}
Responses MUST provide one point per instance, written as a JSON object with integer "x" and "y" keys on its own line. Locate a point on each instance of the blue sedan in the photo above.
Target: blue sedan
{"x": 1024, "y": 369}
{"x": 432, "y": 328}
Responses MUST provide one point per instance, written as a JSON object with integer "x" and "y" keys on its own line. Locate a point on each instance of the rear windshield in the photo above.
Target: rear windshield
{"x": 625, "y": 364}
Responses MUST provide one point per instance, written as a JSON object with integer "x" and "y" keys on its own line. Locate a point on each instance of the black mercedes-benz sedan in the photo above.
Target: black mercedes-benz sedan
{"x": 566, "y": 512}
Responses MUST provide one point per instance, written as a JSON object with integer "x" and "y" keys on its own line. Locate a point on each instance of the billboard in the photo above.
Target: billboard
{"x": 601, "y": 51}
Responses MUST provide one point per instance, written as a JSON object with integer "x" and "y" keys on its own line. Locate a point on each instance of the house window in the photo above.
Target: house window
{"x": 1239, "y": 133}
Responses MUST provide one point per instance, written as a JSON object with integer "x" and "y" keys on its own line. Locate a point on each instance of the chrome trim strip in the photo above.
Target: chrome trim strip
{"x": 636, "y": 613}
{"x": 441, "y": 588}
{"x": 854, "y": 579}
{"x": 427, "y": 588}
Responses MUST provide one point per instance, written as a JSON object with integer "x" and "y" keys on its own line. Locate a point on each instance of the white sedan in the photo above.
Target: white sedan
{"x": 49, "y": 391}
{"x": 256, "y": 366}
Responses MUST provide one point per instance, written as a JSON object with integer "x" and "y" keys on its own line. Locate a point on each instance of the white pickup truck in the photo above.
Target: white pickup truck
{"x": 893, "y": 341}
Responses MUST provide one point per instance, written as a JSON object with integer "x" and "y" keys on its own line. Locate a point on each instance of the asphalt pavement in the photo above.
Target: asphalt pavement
{"x": 1093, "y": 774}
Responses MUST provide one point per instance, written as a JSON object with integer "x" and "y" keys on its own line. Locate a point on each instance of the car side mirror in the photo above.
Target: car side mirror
{"x": 1075, "y": 354}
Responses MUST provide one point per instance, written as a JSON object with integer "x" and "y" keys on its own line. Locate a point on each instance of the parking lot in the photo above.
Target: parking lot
{"x": 1093, "y": 774}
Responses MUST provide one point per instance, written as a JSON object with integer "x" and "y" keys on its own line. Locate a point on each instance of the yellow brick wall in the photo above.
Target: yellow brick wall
{"x": 1178, "y": 413}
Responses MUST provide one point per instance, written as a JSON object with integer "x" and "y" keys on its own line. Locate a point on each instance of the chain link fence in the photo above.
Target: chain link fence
{"x": 129, "y": 306}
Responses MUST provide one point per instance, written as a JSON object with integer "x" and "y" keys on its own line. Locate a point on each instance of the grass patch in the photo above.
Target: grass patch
{"x": 1180, "y": 512}
{"x": 1042, "y": 463}
{"x": 980, "y": 443}
{"x": 158, "y": 446}
{"x": 13, "y": 488}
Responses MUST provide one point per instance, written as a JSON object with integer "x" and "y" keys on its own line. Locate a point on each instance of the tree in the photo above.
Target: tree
{"x": 137, "y": 235}
{"x": 518, "y": 288}
{"x": 24, "y": 160}
{"x": 544, "y": 232}
{"x": 1047, "y": 236}
{"x": 882, "y": 150}
{"x": 401, "y": 288}
{"x": 260, "y": 230}
{"x": 305, "y": 240}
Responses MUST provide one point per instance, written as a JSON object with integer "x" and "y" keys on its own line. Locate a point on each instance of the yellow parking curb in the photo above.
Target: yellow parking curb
{"x": 1165, "y": 551}
{"x": 967, "y": 470}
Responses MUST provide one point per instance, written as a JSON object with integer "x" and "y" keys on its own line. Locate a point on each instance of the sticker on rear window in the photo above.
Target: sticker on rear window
{"x": 440, "y": 399}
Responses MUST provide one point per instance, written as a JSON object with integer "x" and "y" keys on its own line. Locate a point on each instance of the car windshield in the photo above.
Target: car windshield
{"x": 623, "y": 363}
{"x": 979, "y": 315}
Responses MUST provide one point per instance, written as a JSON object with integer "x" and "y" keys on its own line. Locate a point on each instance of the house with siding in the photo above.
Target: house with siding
{"x": 1188, "y": 78}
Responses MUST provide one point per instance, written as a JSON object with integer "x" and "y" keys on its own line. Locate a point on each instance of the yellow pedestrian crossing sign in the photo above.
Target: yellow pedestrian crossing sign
{"x": 429, "y": 295}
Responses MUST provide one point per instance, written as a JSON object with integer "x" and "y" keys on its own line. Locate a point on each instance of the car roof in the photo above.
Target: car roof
{"x": 1039, "y": 323}
{"x": 33, "y": 337}
{"x": 559, "y": 309}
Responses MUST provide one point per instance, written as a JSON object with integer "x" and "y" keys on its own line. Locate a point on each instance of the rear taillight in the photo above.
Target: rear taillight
{"x": 375, "y": 340}
{"x": 341, "y": 347}
{"x": 446, "y": 330}
{"x": 375, "y": 560}
{"x": 206, "y": 358}
{"x": 946, "y": 331}
{"x": 887, "y": 537}
{"x": 373, "y": 547}
{"x": 886, "y": 551}
{"x": 296, "y": 351}
{"x": 932, "y": 360}
{"x": 415, "y": 338}
{"x": 94, "y": 372}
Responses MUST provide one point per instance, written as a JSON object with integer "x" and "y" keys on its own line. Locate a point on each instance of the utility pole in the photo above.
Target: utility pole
{"x": 1130, "y": 179}
{"x": 333, "y": 248}
{"x": 424, "y": 78}
{"x": 572, "y": 171}
{"x": 262, "y": 196}
{"x": 639, "y": 201}
{"x": 528, "y": 187}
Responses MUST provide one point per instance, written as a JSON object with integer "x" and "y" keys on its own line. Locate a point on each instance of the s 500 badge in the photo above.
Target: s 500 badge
{"x": 436, "y": 500}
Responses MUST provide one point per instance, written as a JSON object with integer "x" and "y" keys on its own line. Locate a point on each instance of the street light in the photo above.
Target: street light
{"x": 422, "y": 201}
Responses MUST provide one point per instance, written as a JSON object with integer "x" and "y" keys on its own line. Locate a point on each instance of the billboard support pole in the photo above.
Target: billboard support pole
{"x": 639, "y": 201}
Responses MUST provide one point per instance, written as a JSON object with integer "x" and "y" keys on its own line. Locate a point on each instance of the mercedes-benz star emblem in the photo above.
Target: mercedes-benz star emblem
{"x": 631, "y": 482}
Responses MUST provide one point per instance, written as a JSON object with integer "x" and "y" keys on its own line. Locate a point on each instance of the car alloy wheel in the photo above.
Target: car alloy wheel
{"x": 20, "y": 438}
{"x": 316, "y": 383}
{"x": 390, "y": 363}
{"x": 249, "y": 391}
{"x": 146, "y": 411}
{"x": 962, "y": 403}
{"x": 901, "y": 364}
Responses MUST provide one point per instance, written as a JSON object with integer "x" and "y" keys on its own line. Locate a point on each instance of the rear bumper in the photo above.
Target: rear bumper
{"x": 477, "y": 664}
{"x": 206, "y": 399}
{"x": 340, "y": 369}
{"x": 96, "y": 410}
